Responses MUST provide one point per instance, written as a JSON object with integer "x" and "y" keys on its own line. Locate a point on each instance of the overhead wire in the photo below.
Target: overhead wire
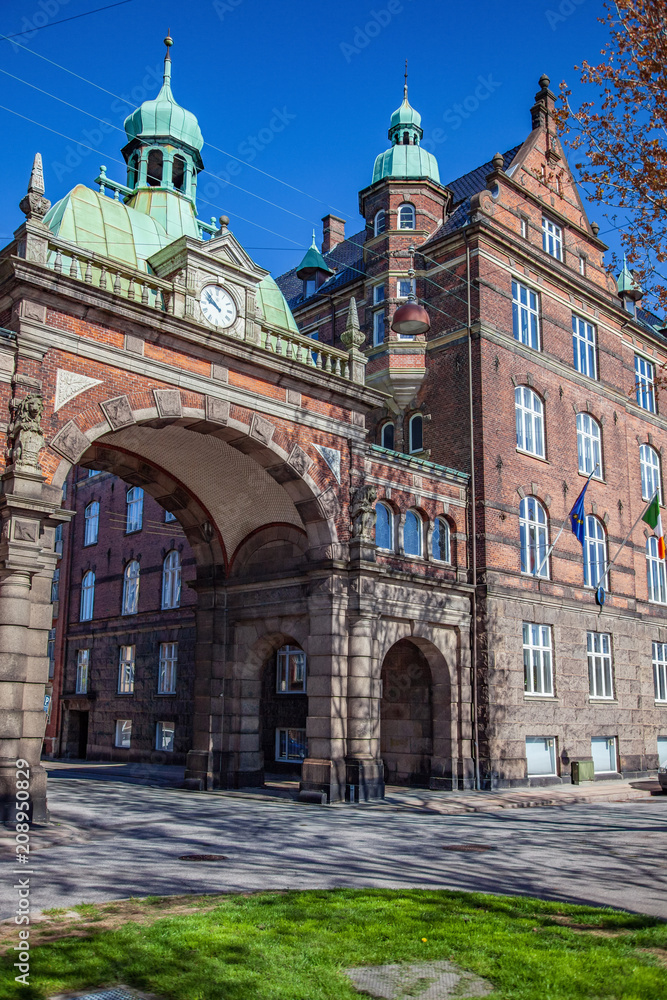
{"x": 63, "y": 20}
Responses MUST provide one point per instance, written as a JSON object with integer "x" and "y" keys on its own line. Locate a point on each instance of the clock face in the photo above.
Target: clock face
{"x": 217, "y": 306}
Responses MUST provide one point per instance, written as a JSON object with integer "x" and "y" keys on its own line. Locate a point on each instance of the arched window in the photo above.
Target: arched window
{"x": 91, "y": 520}
{"x": 416, "y": 433}
{"x": 589, "y": 440}
{"x": 135, "y": 509}
{"x": 529, "y": 421}
{"x": 131, "y": 588}
{"x": 154, "y": 169}
{"x": 595, "y": 551}
{"x": 412, "y": 534}
{"x": 387, "y": 435}
{"x": 384, "y": 527}
{"x": 171, "y": 580}
{"x": 406, "y": 216}
{"x": 655, "y": 572}
{"x": 178, "y": 173}
{"x": 649, "y": 463}
{"x": 440, "y": 543}
{"x": 379, "y": 222}
{"x": 87, "y": 597}
{"x": 534, "y": 537}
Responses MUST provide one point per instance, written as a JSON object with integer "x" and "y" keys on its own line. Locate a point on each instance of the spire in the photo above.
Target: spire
{"x": 166, "y": 79}
{"x": 313, "y": 245}
{"x": 405, "y": 85}
{"x": 627, "y": 286}
{"x": 352, "y": 335}
{"x": 35, "y": 206}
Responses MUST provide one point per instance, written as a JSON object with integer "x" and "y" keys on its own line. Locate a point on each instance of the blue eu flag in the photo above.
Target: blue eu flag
{"x": 577, "y": 516}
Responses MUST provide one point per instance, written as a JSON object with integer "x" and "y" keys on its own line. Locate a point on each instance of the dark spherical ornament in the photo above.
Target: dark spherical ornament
{"x": 411, "y": 319}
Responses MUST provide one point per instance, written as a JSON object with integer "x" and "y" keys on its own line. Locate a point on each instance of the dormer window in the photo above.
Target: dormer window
{"x": 309, "y": 287}
{"x": 178, "y": 173}
{"x": 406, "y": 216}
{"x": 154, "y": 169}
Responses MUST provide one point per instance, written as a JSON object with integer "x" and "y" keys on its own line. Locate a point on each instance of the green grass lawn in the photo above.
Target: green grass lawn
{"x": 294, "y": 945}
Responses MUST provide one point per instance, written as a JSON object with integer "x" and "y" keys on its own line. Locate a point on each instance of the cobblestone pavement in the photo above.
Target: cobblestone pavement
{"x": 123, "y": 836}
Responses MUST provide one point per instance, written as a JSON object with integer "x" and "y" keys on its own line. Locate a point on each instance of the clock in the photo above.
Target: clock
{"x": 217, "y": 306}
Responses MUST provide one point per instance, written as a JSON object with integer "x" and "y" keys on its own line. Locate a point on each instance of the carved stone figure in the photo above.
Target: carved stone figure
{"x": 25, "y": 431}
{"x": 362, "y": 512}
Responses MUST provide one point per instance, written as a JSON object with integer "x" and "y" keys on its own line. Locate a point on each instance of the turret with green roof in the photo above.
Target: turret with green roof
{"x": 406, "y": 158}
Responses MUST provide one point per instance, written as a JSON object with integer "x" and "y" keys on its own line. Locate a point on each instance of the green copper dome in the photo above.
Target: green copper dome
{"x": 406, "y": 158}
{"x": 406, "y": 114}
{"x": 162, "y": 118}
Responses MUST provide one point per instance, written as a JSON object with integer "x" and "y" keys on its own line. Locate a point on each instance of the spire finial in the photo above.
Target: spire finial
{"x": 35, "y": 206}
{"x": 405, "y": 85}
{"x": 313, "y": 245}
{"x": 169, "y": 41}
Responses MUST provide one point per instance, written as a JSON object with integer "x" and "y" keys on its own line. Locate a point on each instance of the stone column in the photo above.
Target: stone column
{"x": 364, "y": 767}
{"x": 204, "y": 760}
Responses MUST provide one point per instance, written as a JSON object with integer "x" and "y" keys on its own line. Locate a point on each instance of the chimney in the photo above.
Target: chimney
{"x": 333, "y": 232}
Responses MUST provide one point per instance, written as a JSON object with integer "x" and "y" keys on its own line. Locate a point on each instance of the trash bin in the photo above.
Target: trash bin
{"x": 583, "y": 770}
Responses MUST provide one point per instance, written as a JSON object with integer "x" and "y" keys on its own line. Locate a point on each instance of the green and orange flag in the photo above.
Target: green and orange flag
{"x": 654, "y": 521}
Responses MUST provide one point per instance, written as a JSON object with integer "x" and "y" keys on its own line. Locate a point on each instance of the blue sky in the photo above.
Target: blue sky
{"x": 293, "y": 91}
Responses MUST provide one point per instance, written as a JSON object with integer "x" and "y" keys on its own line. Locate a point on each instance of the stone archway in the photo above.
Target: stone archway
{"x": 406, "y": 716}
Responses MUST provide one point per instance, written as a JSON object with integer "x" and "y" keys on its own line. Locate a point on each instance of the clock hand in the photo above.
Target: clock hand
{"x": 211, "y": 300}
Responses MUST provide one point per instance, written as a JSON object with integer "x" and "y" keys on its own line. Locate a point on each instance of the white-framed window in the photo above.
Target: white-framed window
{"x": 291, "y": 745}
{"x": 589, "y": 445}
{"x": 87, "y": 597}
{"x": 595, "y": 551}
{"x": 525, "y": 315}
{"x": 603, "y": 752}
{"x": 168, "y": 516}
{"x": 540, "y": 755}
{"x": 126, "y": 664}
{"x": 82, "y": 668}
{"x": 378, "y": 327}
{"x": 379, "y": 222}
{"x": 290, "y": 670}
{"x": 529, "y": 412}
{"x": 416, "y": 433}
{"x": 123, "y": 733}
{"x": 164, "y": 736}
{"x": 384, "y": 527}
{"x": 660, "y": 670}
{"x": 412, "y": 534}
{"x": 600, "y": 674}
{"x": 655, "y": 572}
{"x": 387, "y": 432}
{"x": 645, "y": 383}
{"x": 171, "y": 580}
{"x": 405, "y": 287}
{"x": 524, "y": 227}
{"x": 135, "y": 509}
{"x": 584, "y": 347}
{"x": 440, "y": 540}
{"x": 582, "y": 266}
{"x": 537, "y": 660}
{"x": 552, "y": 238}
{"x": 166, "y": 683}
{"x": 534, "y": 538}
{"x": 406, "y": 216}
{"x": 649, "y": 464}
{"x": 91, "y": 520}
{"x": 131, "y": 588}
{"x": 55, "y": 586}
{"x": 378, "y": 294}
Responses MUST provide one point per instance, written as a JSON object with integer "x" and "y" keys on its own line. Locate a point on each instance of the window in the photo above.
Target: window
{"x": 154, "y": 169}
{"x": 384, "y": 527}
{"x": 600, "y": 679}
{"x": 178, "y": 173}
{"x": 387, "y": 435}
{"x": 58, "y": 547}
{"x": 171, "y": 580}
{"x": 412, "y": 534}
{"x": 380, "y": 222}
{"x": 378, "y": 294}
{"x": 655, "y": 572}
{"x": 93, "y": 472}
{"x": 537, "y": 663}
{"x": 662, "y": 751}
{"x": 168, "y": 516}
{"x": 309, "y": 287}
{"x": 534, "y": 538}
{"x": 135, "y": 509}
{"x": 660, "y": 670}
{"x": 644, "y": 376}
{"x": 167, "y": 673}
{"x": 131, "y": 588}
{"x": 51, "y": 652}
{"x": 649, "y": 464}
{"x": 589, "y": 451}
{"x": 552, "y": 238}
{"x": 405, "y": 287}
{"x": 406, "y": 216}
{"x": 91, "y": 520}
{"x": 440, "y": 544}
{"x": 416, "y": 433}
{"x": 123, "y": 733}
{"x": 87, "y": 597}
{"x": 595, "y": 551}
{"x": 82, "y": 664}
{"x": 291, "y": 744}
{"x": 525, "y": 316}
{"x": 524, "y": 228}
{"x": 378, "y": 327}
{"x": 164, "y": 736}
{"x": 55, "y": 586}
{"x": 582, "y": 266}
{"x": 529, "y": 421}
{"x": 583, "y": 347}
{"x": 603, "y": 752}
{"x": 126, "y": 661}
{"x": 290, "y": 670}
{"x": 540, "y": 755}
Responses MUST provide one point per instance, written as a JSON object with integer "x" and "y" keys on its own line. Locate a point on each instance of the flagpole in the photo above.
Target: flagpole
{"x": 606, "y": 572}
{"x": 553, "y": 545}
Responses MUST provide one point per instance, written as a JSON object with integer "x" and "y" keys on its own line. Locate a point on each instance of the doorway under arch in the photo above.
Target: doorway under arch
{"x": 406, "y": 716}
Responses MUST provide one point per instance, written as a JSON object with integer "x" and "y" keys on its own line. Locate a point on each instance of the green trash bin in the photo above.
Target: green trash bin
{"x": 583, "y": 770}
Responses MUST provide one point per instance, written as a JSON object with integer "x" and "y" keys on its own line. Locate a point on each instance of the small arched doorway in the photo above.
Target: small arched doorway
{"x": 406, "y": 716}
